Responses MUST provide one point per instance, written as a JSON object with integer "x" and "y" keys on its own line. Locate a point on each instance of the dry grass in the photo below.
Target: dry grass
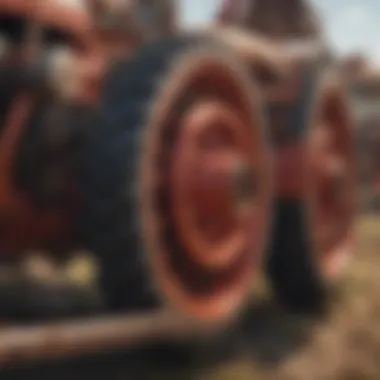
{"x": 270, "y": 344}
{"x": 343, "y": 345}
{"x": 346, "y": 344}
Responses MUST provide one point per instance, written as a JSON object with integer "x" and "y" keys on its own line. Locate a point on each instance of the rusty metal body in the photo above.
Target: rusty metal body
{"x": 206, "y": 187}
{"x": 73, "y": 49}
{"x": 24, "y": 225}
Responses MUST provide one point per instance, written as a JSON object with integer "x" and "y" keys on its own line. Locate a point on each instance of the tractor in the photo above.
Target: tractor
{"x": 185, "y": 161}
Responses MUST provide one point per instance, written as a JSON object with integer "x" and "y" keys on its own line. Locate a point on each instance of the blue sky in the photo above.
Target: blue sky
{"x": 351, "y": 25}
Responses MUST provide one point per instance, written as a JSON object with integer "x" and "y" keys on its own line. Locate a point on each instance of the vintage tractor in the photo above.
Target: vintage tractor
{"x": 154, "y": 160}
{"x": 177, "y": 159}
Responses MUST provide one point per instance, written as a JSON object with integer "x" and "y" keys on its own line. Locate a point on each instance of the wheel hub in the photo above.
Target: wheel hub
{"x": 220, "y": 185}
{"x": 213, "y": 182}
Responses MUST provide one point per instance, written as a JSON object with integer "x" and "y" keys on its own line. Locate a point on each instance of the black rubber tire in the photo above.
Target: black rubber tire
{"x": 110, "y": 216}
{"x": 110, "y": 219}
{"x": 294, "y": 275}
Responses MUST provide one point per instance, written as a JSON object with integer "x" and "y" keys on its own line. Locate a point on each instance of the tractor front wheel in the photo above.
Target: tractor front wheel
{"x": 316, "y": 195}
{"x": 177, "y": 181}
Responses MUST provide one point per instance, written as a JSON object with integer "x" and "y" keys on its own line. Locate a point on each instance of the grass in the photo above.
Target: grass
{"x": 270, "y": 344}
{"x": 343, "y": 345}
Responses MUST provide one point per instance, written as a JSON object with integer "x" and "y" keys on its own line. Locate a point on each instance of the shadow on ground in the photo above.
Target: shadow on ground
{"x": 265, "y": 334}
{"x": 267, "y": 344}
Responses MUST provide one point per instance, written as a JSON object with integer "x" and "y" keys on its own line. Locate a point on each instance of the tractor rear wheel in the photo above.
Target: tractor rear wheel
{"x": 316, "y": 194}
{"x": 177, "y": 181}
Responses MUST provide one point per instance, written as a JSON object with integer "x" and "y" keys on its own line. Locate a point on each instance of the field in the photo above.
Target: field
{"x": 269, "y": 344}
{"x": 342, "y": 345}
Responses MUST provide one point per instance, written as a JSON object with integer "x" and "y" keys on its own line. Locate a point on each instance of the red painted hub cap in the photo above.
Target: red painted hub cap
{"x": 213, "y": 175}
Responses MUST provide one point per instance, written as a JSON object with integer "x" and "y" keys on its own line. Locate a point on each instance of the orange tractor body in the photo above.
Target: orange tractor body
{"x": 91, "y": 47}
{"x": 24, "y": 224}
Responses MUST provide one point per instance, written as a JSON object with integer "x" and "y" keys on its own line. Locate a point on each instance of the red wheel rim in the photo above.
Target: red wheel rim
{"x": 212, "y": 159}
{"x": 205, "y": 140}
{"x": 332, "y": 177}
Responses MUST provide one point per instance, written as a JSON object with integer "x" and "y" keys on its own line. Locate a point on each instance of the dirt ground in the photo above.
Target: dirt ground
{"x": 344, "y": 344}
{"x": 269, "y": 344}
